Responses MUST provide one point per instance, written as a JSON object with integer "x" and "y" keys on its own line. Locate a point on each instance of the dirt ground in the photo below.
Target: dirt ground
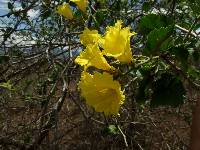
{"x": 78, "y": 127}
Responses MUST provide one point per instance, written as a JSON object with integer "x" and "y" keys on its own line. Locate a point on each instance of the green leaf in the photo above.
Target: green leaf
{"x": 158, "y": 40}
{"x": 6, "y": 85}
{"x": 112, "y": 130}
{"x": 153, "y": 21}
{"x": 168, "y": 91}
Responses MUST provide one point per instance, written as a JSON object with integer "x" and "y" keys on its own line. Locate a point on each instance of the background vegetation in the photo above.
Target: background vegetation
{"x": 40, "y": 106}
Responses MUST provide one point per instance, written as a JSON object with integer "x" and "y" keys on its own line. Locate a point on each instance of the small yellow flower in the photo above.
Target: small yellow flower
{"x": 101, "y": 92}
{"x": 90, "y": 37}
{"x": 92, "y": 56}
{"x": 65, "y": 10}
{"x": 82, "y": 4}
{"x": 117, "y": 42}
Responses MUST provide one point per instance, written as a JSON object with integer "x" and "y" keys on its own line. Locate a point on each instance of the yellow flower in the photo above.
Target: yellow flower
{"x": 92, "y": 56}
{"x": 82, "y": 4}
{"x": 117, "y": 42}
{"x": 101, "y": 92}
{"x": 65, "y": 10}
{"x": 90, "y": 37}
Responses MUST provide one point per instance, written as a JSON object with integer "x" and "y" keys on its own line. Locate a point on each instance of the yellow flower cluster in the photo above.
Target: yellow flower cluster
{"x": 100, "y": 90}
{"x": 65, "y": 10}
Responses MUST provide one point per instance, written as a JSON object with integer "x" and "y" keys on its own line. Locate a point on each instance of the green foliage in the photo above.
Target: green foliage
{"x": 158, "y": 40}
{"x": 182, "y": 55}
{"x": 153, "y": 21}
{"x": 195, "y": 7}
{"x": 168, "y": 90}
{"x": 100, "y": 15}
{"x": 147, "y": 72}
{"x": 155, "y": 24}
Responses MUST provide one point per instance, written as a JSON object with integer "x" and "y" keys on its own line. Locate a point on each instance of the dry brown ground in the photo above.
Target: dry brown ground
{"x": 144, "y": 128}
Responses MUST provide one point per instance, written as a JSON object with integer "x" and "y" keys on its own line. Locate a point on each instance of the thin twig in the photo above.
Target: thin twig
{"x": 124, "y": 136}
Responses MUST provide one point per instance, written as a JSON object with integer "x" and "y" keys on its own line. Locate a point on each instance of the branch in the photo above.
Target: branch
{"x": 53, "y": 114}
{"x": 124, "y": 136}
{"x": 51, "y": 122}
{"x": 186, "y": 31}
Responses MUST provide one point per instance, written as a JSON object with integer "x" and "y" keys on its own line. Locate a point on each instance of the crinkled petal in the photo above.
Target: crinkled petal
{"x": 92, "y": 56}
{"x": 101, "y": 92}
{"x": 90, "y": 37}
{"x": 117, "y": 42}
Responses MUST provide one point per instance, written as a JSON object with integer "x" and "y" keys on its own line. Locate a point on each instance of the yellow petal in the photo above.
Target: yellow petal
{"x": 82, "y": 4}
{"x": 92, "y": 56}
{"x": 65, "y": 10}
{"x": 101, "y": 92}
{"x": 117, "y": 42}
{"x": 90, "y": 37}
